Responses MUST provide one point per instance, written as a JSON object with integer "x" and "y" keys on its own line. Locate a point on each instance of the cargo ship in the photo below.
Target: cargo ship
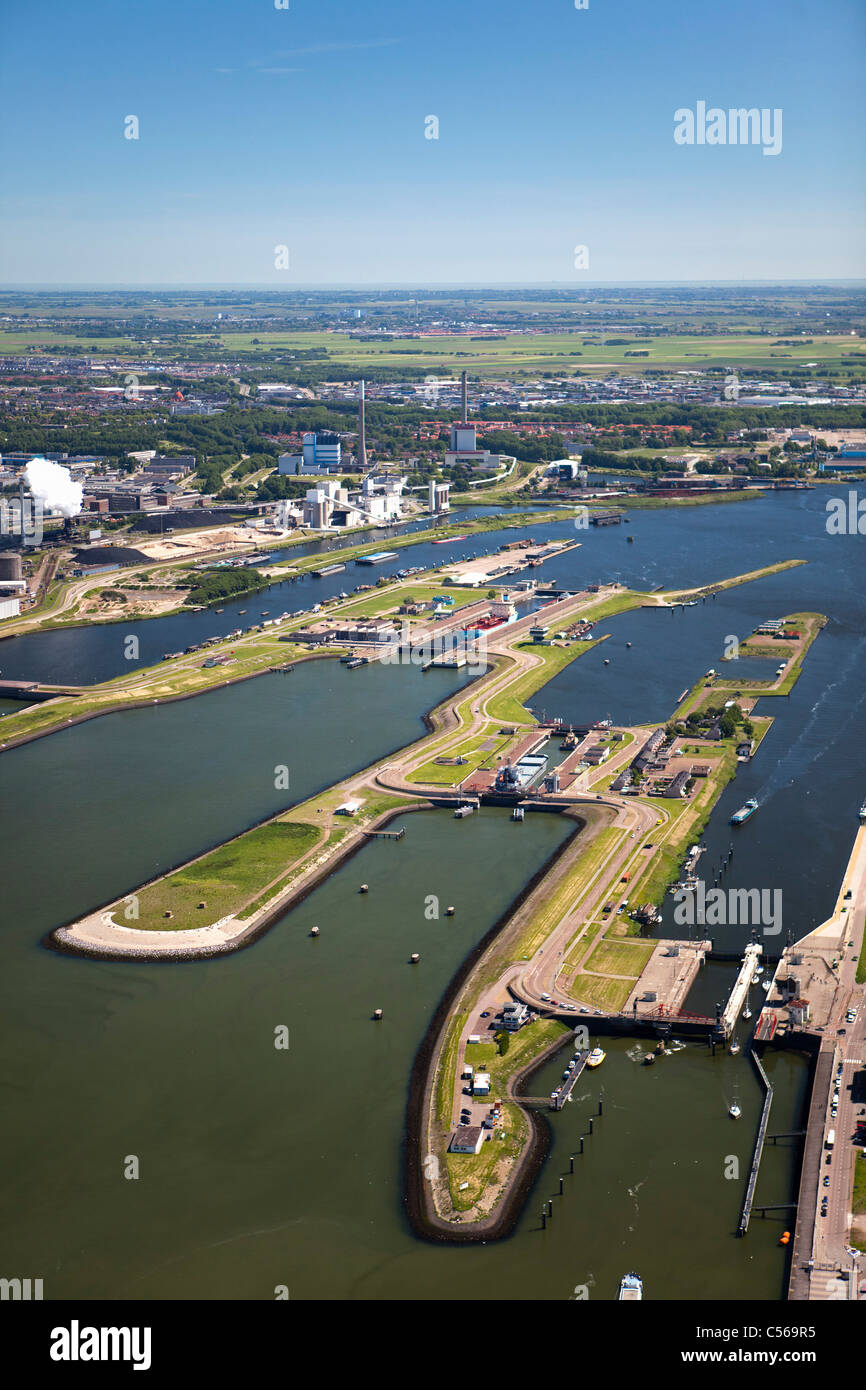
{"x": 744, "y": 812}
{"x": 630, "y": 1288}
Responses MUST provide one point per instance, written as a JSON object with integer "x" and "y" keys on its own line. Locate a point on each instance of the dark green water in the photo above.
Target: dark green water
{"x": 261, "y": 1167}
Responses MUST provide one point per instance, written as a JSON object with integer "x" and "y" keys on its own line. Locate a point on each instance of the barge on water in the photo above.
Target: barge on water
{"x": 378, "y": 558}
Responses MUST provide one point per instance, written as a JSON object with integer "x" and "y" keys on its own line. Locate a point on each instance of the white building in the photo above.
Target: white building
{"x": 328, "y": 505}
{"x": 438, "y": 496}
{"x": 288, "y": 514}
{"x": 9, "y": 607}
{"x": 381, "y": 496}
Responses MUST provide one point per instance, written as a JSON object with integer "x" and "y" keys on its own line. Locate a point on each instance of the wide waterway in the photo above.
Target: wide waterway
{"x": 261, "y": 1167}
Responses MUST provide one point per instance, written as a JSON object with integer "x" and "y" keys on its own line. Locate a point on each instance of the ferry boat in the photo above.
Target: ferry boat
{"x": 744, "y": 812}
{"x": 596, "y": 1057}
{"x": 630, "y": 1288}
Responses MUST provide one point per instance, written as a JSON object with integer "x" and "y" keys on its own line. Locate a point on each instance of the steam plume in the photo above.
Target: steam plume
{"x": 54, "y": 487}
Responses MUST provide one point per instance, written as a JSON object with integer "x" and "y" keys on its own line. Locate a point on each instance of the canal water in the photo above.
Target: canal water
{"x": 262, "y": 1167}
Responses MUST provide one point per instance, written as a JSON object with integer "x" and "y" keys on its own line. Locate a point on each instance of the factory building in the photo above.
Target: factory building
{"x": 438, "y": 496}
{"x": 464, "y": 449}
{"x": 321, "y": 453}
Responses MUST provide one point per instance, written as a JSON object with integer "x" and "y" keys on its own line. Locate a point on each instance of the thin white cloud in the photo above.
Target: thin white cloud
{"x": 349, "y": 46}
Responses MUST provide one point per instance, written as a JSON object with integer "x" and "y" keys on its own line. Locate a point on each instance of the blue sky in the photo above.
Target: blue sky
{"x": 305, "y": 128}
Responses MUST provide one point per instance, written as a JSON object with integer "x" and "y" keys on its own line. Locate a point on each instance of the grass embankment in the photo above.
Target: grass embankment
{"x": 601, "y": 992}
{"x": 482, "y": 1171}
{"x": 566, "y": 894}
{"x": 224, "y": 879}
{"x": 511, "y": 707}
{"x": 858, "y": 1203}
{"x": 704, "y": 499}
{"x": 485, "y": 1171}
{"x": 482, "y": 751}
{"x": 620, "y": 958}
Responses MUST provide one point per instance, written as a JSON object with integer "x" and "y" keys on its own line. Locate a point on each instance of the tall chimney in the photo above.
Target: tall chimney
{"x": 21, "y": 504}
{"x": 464, "y": 399}
{"x": 362, "y": 430}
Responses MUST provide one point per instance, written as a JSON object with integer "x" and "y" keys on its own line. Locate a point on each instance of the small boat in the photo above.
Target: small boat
{"x": 784, "y": 1237}
{"x": 747, "y": 1012}
{"x": 364, "y": 888}
{"x": 607, "y": 661}
{"x": 734, "y": 1049}
{"x": 766, "y": 986}
{"x": 314, "y": 931}
{"x": 630, "y": 1289}
{"x": 517, "y": 813}
{"x": 734, "y": 1111}
{"x": 649, "y": 1060}
{"x": 863, "y": 811}
{"x": 241, "y": 612}
{"x": 628, "y": 644}
{"x": 596, "y": 1057}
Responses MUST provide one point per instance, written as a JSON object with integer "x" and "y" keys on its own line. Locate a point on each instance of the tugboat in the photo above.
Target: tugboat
{"x": 630, "y": 1288}
{"x": 744, "y": 812}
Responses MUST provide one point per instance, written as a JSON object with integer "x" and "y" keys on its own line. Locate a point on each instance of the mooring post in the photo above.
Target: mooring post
{"x": 571, "y": 1163}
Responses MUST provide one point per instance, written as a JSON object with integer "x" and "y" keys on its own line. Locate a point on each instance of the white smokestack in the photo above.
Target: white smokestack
{"x": 53, "y": 486}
